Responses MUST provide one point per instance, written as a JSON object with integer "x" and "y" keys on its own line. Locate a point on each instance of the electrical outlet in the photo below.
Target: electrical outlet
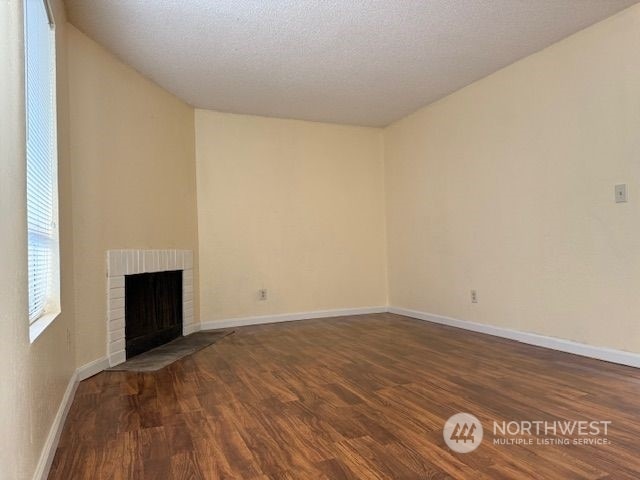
{"x": 621, "y": 193}
{"x": 474, "y": 296}
{"x": 262, "y": 294}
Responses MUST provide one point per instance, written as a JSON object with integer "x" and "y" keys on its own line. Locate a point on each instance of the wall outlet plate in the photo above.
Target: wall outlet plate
{"x": 621, "y": 193}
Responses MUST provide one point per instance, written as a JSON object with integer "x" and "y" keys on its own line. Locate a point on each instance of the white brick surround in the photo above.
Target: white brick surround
{"x": 131, "y": 262}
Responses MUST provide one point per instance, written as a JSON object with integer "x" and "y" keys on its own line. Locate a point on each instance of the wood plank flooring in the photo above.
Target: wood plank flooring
{"x": 361, "y": 397}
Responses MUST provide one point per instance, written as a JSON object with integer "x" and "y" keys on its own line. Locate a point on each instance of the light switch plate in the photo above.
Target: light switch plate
{"x": 621, "y": 193}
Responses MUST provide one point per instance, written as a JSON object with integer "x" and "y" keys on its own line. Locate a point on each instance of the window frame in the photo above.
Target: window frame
{"x": 51, "y": 307}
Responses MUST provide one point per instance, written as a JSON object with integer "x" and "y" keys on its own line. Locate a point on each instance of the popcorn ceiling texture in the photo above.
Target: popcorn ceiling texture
{"x": 363, "y": 62}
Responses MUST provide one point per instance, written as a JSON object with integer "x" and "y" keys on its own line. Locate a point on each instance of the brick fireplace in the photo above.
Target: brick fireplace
{"x": 121, "y": 263}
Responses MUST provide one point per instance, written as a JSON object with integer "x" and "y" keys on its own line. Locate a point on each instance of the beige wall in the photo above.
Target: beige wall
{"x": 294, "y": 207}
{"x": 133, "y": 176}
{"x": 36, "y": 375}
{"x": 507, "y": 187}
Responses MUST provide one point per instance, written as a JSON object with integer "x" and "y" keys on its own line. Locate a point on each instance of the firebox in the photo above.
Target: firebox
{"x": 153, "y": 310}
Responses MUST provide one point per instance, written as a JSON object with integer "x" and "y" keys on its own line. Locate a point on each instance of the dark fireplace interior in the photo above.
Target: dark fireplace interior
{"x": 153, "y": 310}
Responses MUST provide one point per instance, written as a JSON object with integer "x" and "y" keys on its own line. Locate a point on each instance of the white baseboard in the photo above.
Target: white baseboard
{"x": 582, "y": 349}
{"x": 51, "y": 442}
{"x": 90, "y": 369}
{"x": 288, "y": 317}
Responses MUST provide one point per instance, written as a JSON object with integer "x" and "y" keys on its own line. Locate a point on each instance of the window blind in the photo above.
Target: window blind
{"x": 41, "y": 155}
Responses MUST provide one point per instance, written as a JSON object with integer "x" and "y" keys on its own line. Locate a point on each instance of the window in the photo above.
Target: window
{"x": 42, "y": 172}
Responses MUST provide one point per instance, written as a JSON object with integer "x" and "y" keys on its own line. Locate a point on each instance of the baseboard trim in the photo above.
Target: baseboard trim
{"x": 51, "y": 443}
{"x": 92, "y": 368}
{"x": 288, "y": 317}
{"x": 600, "y": 353}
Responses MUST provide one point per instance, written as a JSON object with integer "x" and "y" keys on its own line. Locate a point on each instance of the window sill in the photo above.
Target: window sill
{"x": 41, "y": 324}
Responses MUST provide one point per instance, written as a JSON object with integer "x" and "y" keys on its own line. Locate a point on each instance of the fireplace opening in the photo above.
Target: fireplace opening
{"x": 153, "y": 310}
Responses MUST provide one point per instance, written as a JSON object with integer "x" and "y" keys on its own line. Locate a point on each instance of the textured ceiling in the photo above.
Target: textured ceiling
{"x": 363, "y": 62}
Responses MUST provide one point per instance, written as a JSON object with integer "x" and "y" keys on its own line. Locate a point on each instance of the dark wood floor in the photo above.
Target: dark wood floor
{"x": 354, "y": 397}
